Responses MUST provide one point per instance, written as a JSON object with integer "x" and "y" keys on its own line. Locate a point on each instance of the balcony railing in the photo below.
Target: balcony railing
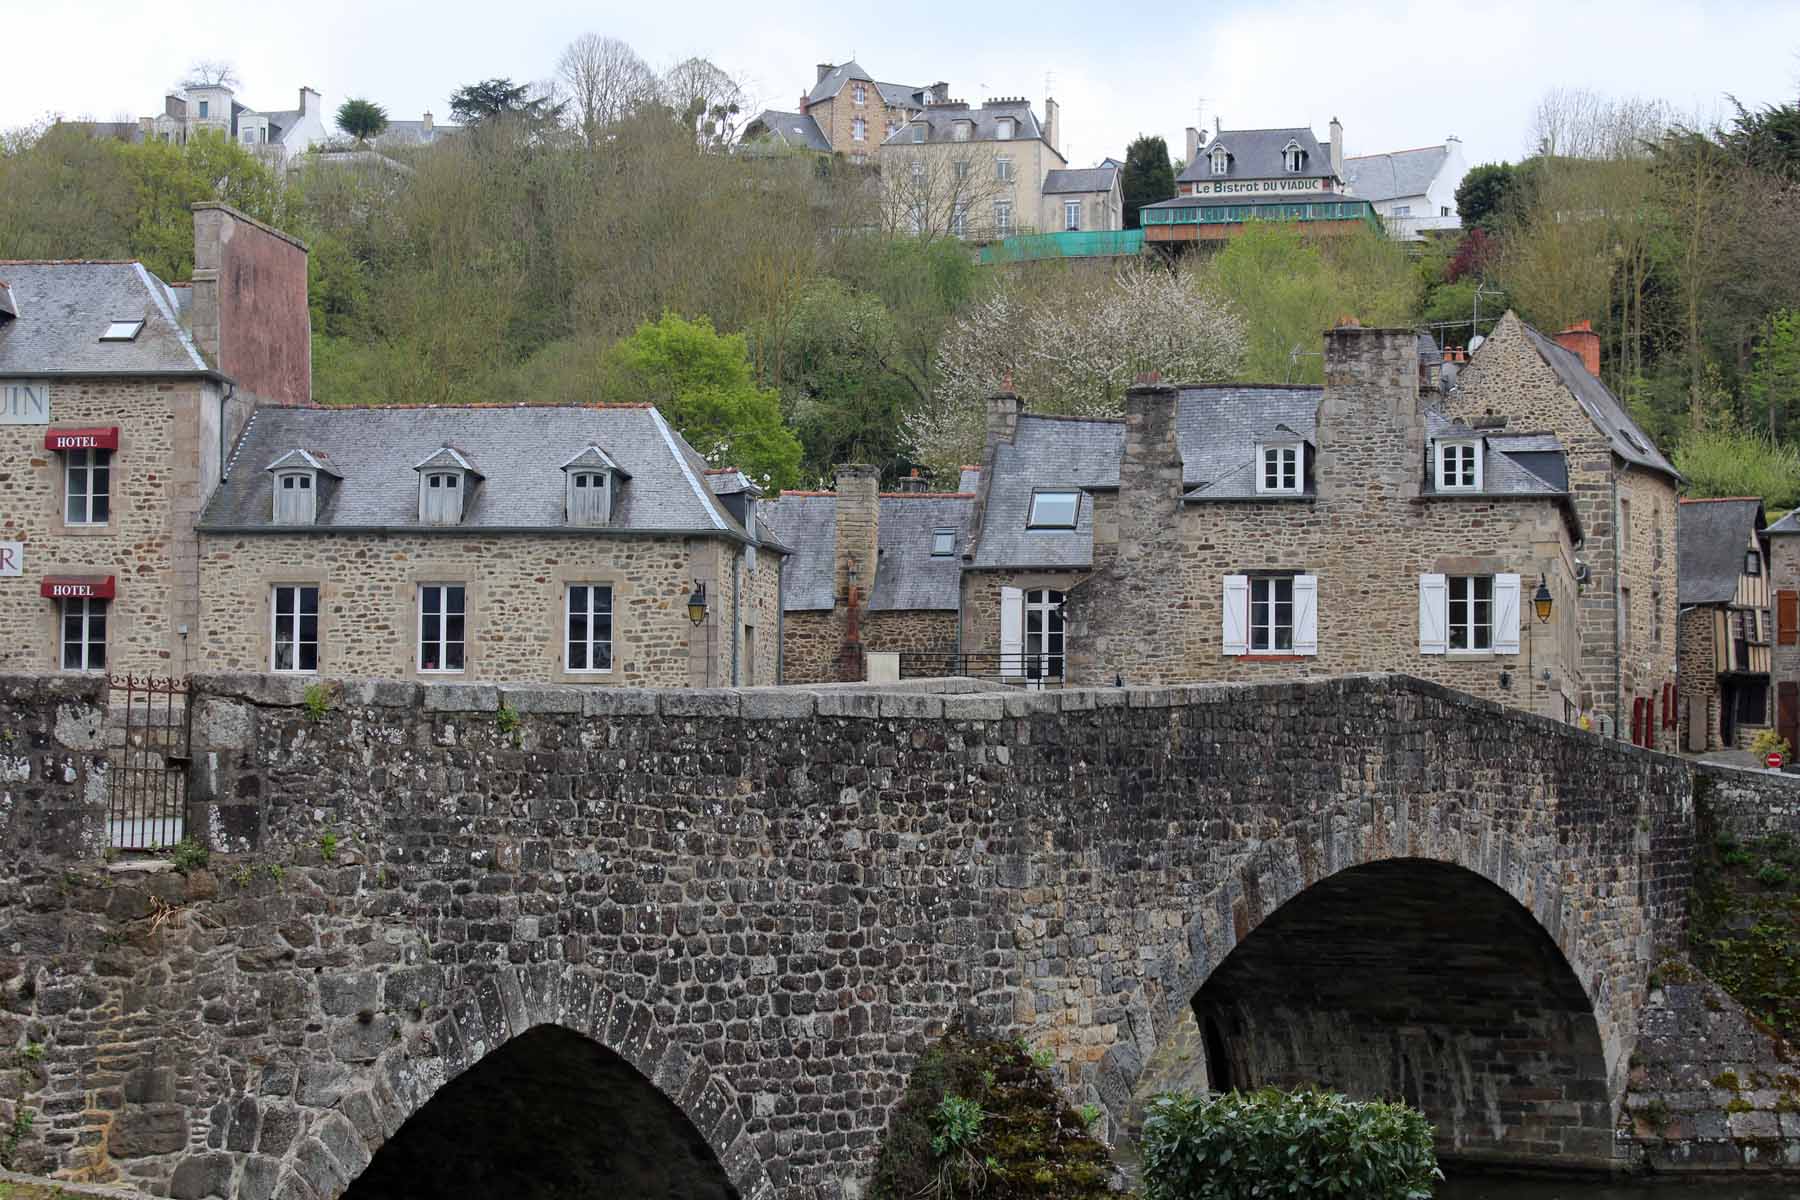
{"x": 1234, "y": 214}
{"x": 1023, "y": 670}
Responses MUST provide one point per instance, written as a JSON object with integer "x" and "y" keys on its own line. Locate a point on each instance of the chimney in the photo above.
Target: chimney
{"x": 913, "y": 484}
{"x": 309, "y": 106}
{"x": 1003, "y": 409}
{"x": 1371, "y": 423}
{"x": 249, "y": 314}
{"x": 9, "y": 308}
{"x": 1337, "y": 147}
{"x": 1051, "y": 124}
{"x": 969, "y": 478}
{"x": 426, "y": 123}
{"x": 1193, "y": 145}
{"x": 858, "y": 518}
{"x": 1580, "y": 339}
{"x": 1218, "y": 127}
{"x": 824, "y": 70}
{"x": 940, "y": 92}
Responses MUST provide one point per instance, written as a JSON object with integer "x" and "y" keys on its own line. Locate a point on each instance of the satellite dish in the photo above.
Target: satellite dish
{"x": 1476, "y": 343}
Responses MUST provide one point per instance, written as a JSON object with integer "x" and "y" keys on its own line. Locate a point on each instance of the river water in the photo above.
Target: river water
{"x": 1466, "y": 1188}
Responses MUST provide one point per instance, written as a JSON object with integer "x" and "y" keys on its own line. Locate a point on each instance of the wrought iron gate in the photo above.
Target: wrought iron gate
{"x": 148, "y": 721}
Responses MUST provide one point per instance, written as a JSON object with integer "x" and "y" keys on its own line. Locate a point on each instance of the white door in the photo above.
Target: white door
{"x": 1043, "y": 637}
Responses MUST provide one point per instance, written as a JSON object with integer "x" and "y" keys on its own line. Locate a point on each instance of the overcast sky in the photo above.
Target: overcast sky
{"x": 1400, "y": 74}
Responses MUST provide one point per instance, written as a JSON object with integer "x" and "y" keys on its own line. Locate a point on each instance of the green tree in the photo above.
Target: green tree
{"x": 1726, "y": 460}
{"x": 1767, "y": 139}
{"x": 1483, "y": 196}
{"x": 479, "y": 102}
{"x": 1773, "y": 385}
{"x": 362, "y": 119}
{"x": 169, "y": 179}
{"x": 1148, "y": 176}
{"x": 701, "y": 381}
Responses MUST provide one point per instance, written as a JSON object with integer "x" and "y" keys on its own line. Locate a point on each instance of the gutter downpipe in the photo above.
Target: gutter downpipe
{"x": 780, "y": 618}
{"x": 1618, "y": 615}
{"x": 737, "y": 627}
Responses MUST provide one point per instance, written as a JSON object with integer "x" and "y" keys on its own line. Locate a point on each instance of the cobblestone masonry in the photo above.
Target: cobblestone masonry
{"x": 764, "y": 901}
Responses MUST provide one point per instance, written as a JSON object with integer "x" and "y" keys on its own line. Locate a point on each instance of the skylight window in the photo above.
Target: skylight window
{"x": 1054, "y": 510}
{"x": 943, "y": 543}
{"x": 122, "y": 331}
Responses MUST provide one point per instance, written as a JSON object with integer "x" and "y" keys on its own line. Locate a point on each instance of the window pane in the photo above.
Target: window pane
{"x": 309, "y": 656}
{"x": 603, "y": 600}
{"x": 1054, "y": 509}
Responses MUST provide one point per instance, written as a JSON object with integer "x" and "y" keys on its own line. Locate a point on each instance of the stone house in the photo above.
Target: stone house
{"x": 847, "y": 111}
{"x": 276, "y": 134}
{"x": 870, "y": 572}
{"x": 1255, "y": 532}
{"x": 1413, "y": 191}
{"x": 1784, "y": 661}
{"x": 1723, "y": 636}
{"x": 1244, "y": 175}
{"x": 511, "y": 543}
{"x": 991, "y": 172}
{"x": 119, "y": 398}
{"x": 1522, "y": 381}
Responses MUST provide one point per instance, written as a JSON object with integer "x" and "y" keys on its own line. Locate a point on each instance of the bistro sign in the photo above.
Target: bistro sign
{"x": 24, "y": 401}
{"x": 1257, "y": 186}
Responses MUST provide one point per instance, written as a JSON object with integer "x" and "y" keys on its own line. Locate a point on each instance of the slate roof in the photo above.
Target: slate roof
{"x": 520, "y": 450}
{"x": 1046, "y": 452}
{"x": 1088, "y": 179}
{"x": 1787, "y": 524}
{"x": 941, "y": 119}
{"x": 64, "y": 307}
{"x": 908, "y": 576}
{"x": 1257, "y": 154}
{"x": 1501, "y": 474}
{"x": 1218, "y": 428}
{"x": 791, "y": 129}
{"x": 1392, "y": 176}
{"x": 806, "y": 523}
{"x": 843, "y": 73}
{"x": 1711, "y": 537}
{"x": 1603, "y": 408}
{"x": 414, "y": 133}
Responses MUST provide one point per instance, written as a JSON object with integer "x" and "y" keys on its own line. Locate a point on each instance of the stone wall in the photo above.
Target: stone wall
{"x": 1698, "y": 677}
{"x": 147, "y": 544}
{"x": 516, "y": 587}
{"x": 1749, "y": 804}
{"x": 1784, "y": 575}
{"x": 1508, "y": 377}
{"x": 763, "y": 901}
{"x": 813, "y": 639}
{"x": 810, "y": 642}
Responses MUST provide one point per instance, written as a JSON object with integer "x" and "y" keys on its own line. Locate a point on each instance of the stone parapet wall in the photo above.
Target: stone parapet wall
{"x": 764, "y": 900}
{"x": 1748, "y": 804}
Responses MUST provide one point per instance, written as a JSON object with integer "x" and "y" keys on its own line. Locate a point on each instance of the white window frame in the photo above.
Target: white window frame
{"x": 443, "y": 482}
{"x": 1220, "y": 161}
{"x": 1468, "y": 452}
{"x": 1465, "y": 608}
{"x": 1289, "y": 460}
{"x": 1003, "y": 168}
{"x": 1402, "y": 210}
{"x": 1071, "y": 216}
{"x": 961, "y": 168}
{"x": 294, "y": 611}
{"x": 586, "y": 485}
{"x": 443, "y": 641}
{"x": 1003, "y": 217}
{"x": 93, "y": 464}
{"x": 124, "y": 330}
{"x": 962, "y": 131}
{"x": 1003, "y": 129}
{"x": 918, "y": 132}
{"x": 859, "y": 130}
{"x": 959, "y": 219}
{"x": 297, "y": 512}
{"x": 89, "y": 615}
{"x": 918, "y": 170}
{"x": 589, "y": 642}
{"x": 859, "y": 95}
{"x": 1292, "y": 155}
{"x": 1031, "y": 511}
{"x": 1266, "y": 630}
{"x": 1437, "y": 623}
{"x": 1046, "y": 649}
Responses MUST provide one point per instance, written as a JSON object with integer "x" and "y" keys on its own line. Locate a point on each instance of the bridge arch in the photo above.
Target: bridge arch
{"x": 559, "y": 1045}
{"x": 1481, "y": 999}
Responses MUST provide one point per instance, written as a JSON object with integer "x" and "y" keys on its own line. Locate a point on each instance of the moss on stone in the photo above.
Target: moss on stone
{"x": 1746, "y": 923}
{"x": 1031, "y": 1143}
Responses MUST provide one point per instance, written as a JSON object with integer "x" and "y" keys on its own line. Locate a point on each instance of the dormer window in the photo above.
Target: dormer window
{"x": 1278, "y": 468}
{"x": 1752, "y": 563}
{"x": 1293, "y": 156}
{"x": 445, "y": 479}
{"x": 591, "y": 481}
{"x": 123, "y": 331}
{"x": 298, "y": 477}
{"x": 1459, "y": 466}
{"x": 918, "y": 131}
{"x": 1221, "y": 161}
{"x": 1003, "y": 129}
{"x": 962, "y": 131}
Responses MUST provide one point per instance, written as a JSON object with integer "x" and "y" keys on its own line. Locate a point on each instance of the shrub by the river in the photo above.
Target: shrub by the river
{"x": 983, "y": 1118}
{"x": 1273, "y": 1143}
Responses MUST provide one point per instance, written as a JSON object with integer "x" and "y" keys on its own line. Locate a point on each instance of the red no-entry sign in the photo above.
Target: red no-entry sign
{"x": 1772, "y": 760}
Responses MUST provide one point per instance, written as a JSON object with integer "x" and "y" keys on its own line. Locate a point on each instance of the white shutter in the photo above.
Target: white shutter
{"x": 1506, "y": 614}
{"x": 1236, "y": 614}
{"x": 1012, "y": 631}
{"x": 1306, "y": 614}
{"x": 1434, "y": 614}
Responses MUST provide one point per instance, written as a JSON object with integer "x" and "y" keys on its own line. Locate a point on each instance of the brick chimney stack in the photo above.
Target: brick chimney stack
{"x": 249, "y": 314}
{"x": 858, "y": 524}
{"x": 1003, "y": 413}
{"x": 1581, "y": 340}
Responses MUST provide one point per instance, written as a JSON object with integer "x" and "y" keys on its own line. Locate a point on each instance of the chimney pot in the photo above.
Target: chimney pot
{"x": 824, "y": 70}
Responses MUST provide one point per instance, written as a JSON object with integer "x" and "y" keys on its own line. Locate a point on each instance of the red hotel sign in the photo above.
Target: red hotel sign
{"x": 82, "y": 439}
{"x": 78, "y": 587}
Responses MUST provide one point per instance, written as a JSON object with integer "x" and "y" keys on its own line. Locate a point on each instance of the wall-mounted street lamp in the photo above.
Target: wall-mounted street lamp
{"x": 697, "y": 603}
{"x": 1540, "y": 600}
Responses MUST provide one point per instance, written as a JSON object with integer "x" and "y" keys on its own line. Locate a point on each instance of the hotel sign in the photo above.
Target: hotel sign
{"x": 24, "y": 401}
{"x": 12, "y": 558}
{"x": 1224, "y": 187}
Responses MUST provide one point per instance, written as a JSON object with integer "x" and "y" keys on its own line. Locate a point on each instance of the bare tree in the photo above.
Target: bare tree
{"x": 606, "y": 81}
{"x": 706, "y": 99}
{"x": 947, "y": 190}
{"x": 210, "y": 72}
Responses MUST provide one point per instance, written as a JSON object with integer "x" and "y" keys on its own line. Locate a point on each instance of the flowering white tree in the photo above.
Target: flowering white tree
{"x": 1073, "y": 351}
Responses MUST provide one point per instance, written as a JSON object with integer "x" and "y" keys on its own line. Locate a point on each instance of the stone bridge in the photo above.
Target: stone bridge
{"x": 493, "y": 941}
